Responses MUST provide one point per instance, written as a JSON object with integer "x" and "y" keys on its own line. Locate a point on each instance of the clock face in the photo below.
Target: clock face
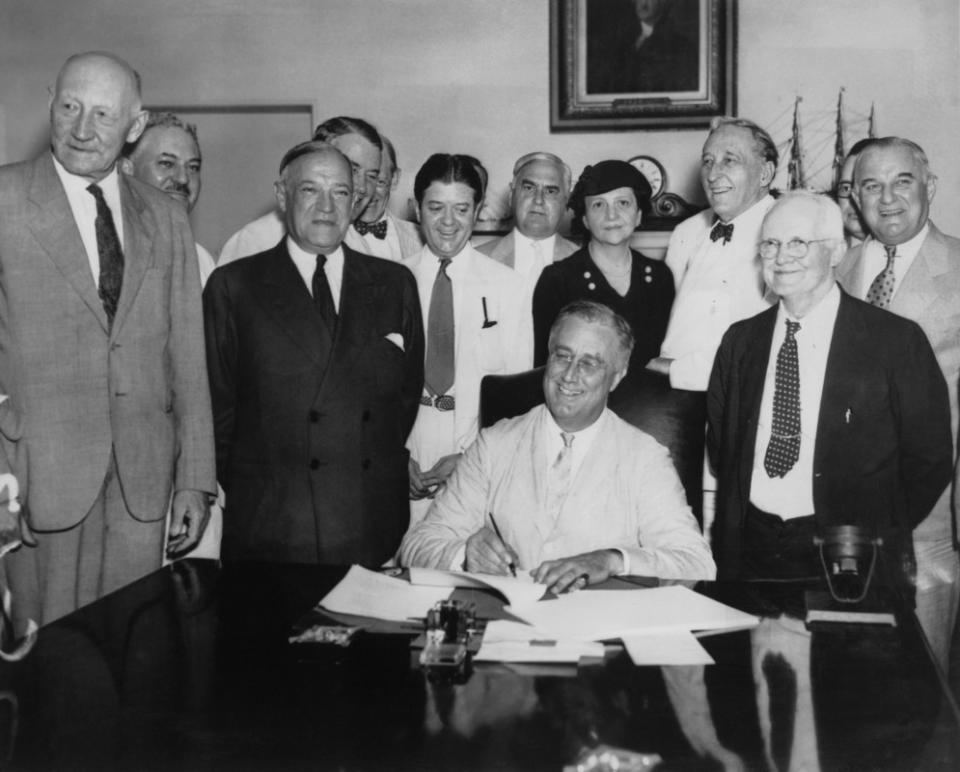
{"x": 653, "y": 170}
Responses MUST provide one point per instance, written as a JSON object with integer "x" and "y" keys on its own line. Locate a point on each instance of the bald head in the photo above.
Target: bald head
{"x": 95, "y": 108}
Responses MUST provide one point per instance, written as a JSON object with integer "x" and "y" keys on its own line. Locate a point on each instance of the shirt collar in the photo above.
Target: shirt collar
{"x": 110, "y": 185}
{"x": 583, "y": 437}
{"x": 298, "y": 255}
{"x": 545, "y": 244}
{"x": 818, "y": 319}
{"x": 458, "y": 263}
{"x": 909, "y": 249}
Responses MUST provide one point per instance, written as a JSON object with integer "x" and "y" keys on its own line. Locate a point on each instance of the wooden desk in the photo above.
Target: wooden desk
{"x": 189, "y": 669}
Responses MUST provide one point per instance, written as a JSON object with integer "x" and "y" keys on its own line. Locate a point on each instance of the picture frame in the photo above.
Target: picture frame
{"x": 610, "y": 69}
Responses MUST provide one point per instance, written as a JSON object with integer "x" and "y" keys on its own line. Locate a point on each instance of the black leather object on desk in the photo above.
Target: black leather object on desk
{"x": 676, "y": 418}
{"x": 190, "y": 669}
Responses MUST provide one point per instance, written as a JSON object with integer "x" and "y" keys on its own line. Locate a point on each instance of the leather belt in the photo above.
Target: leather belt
{"x": 443, "y": 402}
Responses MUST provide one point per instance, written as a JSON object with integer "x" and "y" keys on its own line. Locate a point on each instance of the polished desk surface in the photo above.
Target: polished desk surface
{"x": 190, "y": 669}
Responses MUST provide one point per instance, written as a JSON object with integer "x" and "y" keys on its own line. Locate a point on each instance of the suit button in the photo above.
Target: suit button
{"x": 314, "y": 416}
{"x": 314, "y": 463}
{"x": 366, "y": 415}
{"x": 366, "y": 463}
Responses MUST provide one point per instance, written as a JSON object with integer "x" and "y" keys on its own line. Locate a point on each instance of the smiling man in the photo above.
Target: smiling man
{"x": 823, "y": 411}
{"x": 101, "y": 354}
{"x": 911, "y": 268}
{"x": 713, "y": 255}
{"x": 577, "y": 494}
{"x": 167, "y": 156}
{"x": 316, "y": 363}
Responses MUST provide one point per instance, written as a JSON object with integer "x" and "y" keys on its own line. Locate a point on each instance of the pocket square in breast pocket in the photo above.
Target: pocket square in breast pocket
{"x": 396, "y": 339}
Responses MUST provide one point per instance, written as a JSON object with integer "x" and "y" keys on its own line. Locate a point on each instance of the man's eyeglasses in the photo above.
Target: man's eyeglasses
{"x": 844, "y": 189}
{"x": 795, "y": 248}
{"x": 586, "y": 367}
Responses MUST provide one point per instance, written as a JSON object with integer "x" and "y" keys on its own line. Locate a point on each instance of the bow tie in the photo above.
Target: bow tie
{"x": 721, "y": 230}
{"x": 378, "y": 229}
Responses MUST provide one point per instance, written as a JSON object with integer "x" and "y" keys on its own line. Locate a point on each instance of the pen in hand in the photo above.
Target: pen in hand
{"x": 496, "y": 530}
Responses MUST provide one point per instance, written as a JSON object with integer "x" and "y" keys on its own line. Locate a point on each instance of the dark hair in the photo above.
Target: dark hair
{"x": 444, "y": 167}
{"x": 606, "y": 176}
{"x": 597, "y": 313}
{"x": 342, "y": 125}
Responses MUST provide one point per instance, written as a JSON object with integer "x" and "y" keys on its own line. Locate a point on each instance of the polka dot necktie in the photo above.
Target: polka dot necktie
{"x": 784, "y": 448}
{"x": 881, "y": 290}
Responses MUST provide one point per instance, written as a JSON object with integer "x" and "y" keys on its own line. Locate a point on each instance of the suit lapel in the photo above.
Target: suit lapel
{"x": 753, "y": 374}
{"x": 139, "y": 235}
{"x": 286, "y": 299}
{"x": 919, "y": 288}
{"x": 55, "y": 229}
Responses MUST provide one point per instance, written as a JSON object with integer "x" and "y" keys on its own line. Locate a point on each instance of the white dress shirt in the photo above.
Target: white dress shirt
{"x": 306, "y": 263}
{"x": 84, "y": 208}
{"x": 792, "y": 495}
{"x": 717, "y": 284}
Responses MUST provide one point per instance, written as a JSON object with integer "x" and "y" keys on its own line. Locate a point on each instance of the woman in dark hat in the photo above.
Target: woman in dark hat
{"x": 609, "y": 199}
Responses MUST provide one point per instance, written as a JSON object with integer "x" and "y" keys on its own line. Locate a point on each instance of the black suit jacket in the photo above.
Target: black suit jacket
{"x": 310, "y": 427}
{"x": 882, "y": 455}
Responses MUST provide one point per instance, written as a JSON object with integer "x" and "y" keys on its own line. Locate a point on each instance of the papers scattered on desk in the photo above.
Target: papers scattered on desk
{"x": 519, "y": 590}
{"x": 506, "y": 641}
{"x": 368, "y": 593}
{"x": 680, "y": 648}
{"x": 597, "y": 615}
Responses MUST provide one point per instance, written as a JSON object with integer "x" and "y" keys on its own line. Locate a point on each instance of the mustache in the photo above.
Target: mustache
{"x": 179, "y": 187}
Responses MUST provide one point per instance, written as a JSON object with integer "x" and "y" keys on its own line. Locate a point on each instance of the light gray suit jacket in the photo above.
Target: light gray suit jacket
{"x": 78, "y": 392}
{"x": 502, "y": 249}
{"x": 930, "y": 295}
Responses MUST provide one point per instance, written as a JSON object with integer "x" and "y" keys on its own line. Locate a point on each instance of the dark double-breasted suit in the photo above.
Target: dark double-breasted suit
{"x": 310, "y": 426}
{"x": 882, "y": 453}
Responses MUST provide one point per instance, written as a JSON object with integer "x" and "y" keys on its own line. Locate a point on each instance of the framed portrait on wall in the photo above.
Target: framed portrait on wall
{"x": 627, "y": 64}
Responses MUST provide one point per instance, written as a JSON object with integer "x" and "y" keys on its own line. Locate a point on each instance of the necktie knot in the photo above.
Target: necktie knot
{"x": 792, "y": 328}
{"x": 721, "y": 230}
{"x": 891, "y": 250}
{"x": 95, "y": 191}
{"x": 444, "y": 264}
{"x": 377, "y": 229}
{"x": 567, "y": 439}
{"x": 321, "y": 262}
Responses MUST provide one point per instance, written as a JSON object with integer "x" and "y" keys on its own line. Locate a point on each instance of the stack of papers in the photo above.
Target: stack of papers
{"x": 655, "y": 624}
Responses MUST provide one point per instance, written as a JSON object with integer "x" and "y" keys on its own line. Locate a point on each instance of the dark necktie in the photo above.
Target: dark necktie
{"x": 881, "y": 290}
{"x": 721, "y": 230}
{"x": 784, "y": 448}
{"x": 322, "y": 296}
{"x": 438, "y": 370}
{"x": 111, "y": 255}
{"x": 378, "y": 229}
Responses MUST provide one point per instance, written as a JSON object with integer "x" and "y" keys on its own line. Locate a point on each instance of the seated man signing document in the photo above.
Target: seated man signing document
{"x": 568, "y": 491}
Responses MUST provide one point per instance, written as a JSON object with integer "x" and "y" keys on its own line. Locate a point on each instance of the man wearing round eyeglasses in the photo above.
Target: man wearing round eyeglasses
{"x": 853, "y": 227}
{"x": 910, "y": 267}
{"x": 568, "y": 491}
{"x": 822, "y": 411}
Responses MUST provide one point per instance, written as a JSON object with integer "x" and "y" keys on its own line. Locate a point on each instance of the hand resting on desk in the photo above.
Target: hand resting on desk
{"x": 568, "y": 573}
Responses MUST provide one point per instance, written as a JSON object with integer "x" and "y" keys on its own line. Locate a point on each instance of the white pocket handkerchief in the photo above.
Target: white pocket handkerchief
{"x": 396, "y": 339}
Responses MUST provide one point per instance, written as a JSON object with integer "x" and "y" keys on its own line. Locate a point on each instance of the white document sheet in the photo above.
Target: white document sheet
{"x": 680, "y": 648}
{"x": 507, "y": 641}
{"x": 372, "y": 594}
{"x": 596, "y": 615}
{"x": 520, "y": 590}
